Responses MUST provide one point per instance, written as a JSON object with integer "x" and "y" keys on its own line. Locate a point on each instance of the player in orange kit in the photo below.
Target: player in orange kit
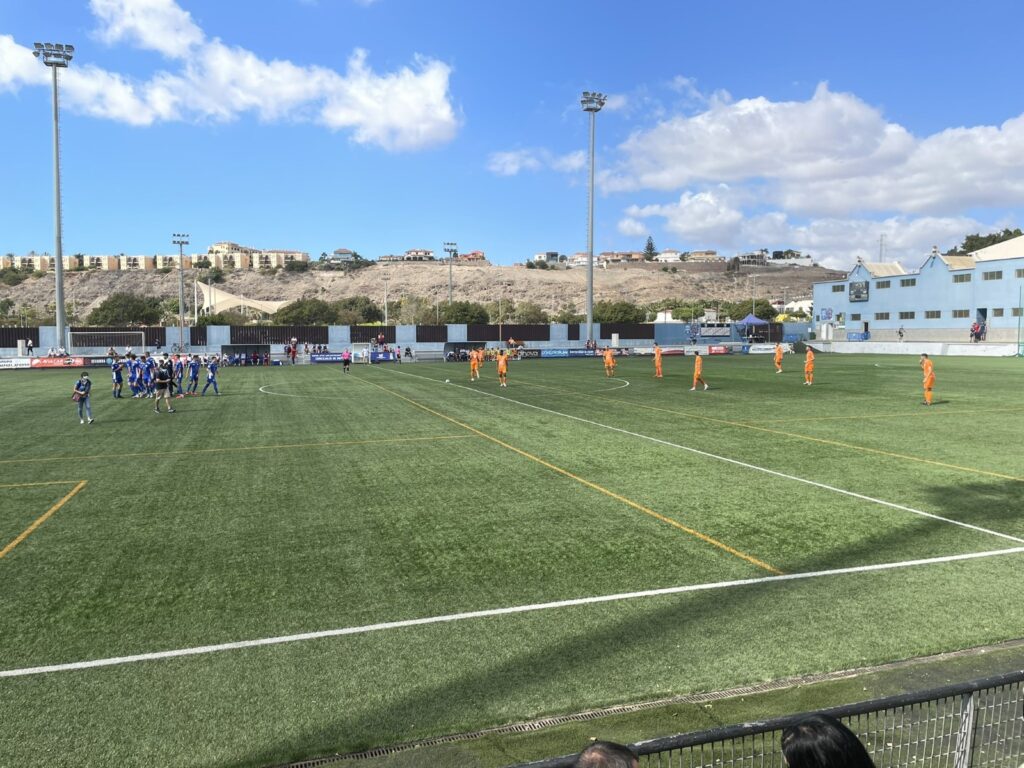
{"x": 502, "y": 368}
{"x": 474, "y": 364}
{"x": 809, "y": 367}
{"x": 698, "y": 370}
{"x": 609, "y": 362}
{"x": 928, "y": 369}
{"x": 657, "y": 361}
{"x": 778, "y": 358}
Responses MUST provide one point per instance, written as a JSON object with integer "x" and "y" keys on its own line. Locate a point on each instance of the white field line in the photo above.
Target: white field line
{"x": 280, "y": 640}
{"x": 735, "y": 462}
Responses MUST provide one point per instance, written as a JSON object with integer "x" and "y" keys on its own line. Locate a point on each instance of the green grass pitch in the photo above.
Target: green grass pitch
{"x": 302, "y": 500}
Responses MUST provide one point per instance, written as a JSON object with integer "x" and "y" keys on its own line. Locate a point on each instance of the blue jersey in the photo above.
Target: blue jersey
{"x": 211, "y": 371}
{"x": 179, "y": 369}
{"x": 115, "y": 371}
{"x": 193, "y": 369}
{"x": 83, "y": 386}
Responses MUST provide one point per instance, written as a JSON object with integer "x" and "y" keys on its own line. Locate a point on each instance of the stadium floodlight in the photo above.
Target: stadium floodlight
{"x": 181, "y": 240}
{"x": 592, "y": 103}
{"x": 452, "y": 250}
{"x": 57, "y": 57}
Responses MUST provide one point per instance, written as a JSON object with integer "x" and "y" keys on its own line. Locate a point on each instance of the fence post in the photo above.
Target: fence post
{"x": 965, "y": 736}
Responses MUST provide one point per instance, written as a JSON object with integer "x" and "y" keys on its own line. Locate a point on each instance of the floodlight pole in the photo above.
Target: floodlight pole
{"x": 451, "y": 249}
{"x": 56, "y": 56}
{"x": 181, "y": 240}
{"x": 592, "y": 103}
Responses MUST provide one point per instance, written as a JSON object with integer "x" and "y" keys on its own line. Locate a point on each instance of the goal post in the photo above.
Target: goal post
{"x": 120, "y": 341}
{"x": 361, "y": 353}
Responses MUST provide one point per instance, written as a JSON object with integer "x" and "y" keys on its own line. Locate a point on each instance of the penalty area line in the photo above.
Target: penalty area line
{"x": 488, "y": 613}
{"x": 736, "y": 462}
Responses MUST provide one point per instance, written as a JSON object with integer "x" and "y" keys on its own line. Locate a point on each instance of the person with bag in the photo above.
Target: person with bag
{"x": 80, "y": 395}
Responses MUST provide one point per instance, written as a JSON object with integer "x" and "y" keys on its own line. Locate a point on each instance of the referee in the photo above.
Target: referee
{"x": 163, "y": 387}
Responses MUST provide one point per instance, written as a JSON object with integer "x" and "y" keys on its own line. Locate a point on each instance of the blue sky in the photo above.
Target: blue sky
{"x": 383, "y": 125}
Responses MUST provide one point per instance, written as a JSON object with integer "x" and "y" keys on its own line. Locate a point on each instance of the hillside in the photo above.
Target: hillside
{"x": 551, "y": 289}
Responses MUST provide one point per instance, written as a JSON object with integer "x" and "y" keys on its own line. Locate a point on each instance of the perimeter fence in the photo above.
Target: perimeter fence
{"x": 979, "y": 724}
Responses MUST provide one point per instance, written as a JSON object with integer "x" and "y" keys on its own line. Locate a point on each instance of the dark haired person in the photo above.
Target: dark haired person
{"x": 821, "y": 741}
{"x": 162, "y": 382}
{"x": 606, "y": 754}
{"x": 81, "y": 396}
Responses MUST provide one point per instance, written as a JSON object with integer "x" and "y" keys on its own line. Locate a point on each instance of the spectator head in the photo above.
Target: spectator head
{"x": 821, "y": 741}
{"x": 607, "y": 754}
{"x": 924, "y": 355}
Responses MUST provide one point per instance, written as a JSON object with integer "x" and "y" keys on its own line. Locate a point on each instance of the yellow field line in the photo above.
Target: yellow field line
{"x": 47, "y": 482}
{"x": 821, "y": 440}
{"x": 600, "y": 489}
{"x": 42, "y": 519}
{"x": 329, "y": 444}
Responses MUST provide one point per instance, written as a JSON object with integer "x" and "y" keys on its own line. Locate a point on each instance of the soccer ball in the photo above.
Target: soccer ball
{"x": 447, "y": 381}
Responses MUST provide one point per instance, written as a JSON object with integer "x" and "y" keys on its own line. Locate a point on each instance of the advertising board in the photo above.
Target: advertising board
{"x": 7, "y": 363}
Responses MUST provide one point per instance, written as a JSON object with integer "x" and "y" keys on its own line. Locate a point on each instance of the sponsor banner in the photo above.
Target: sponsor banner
{"x": 791, "y": 338}
{"x": 712, "y": 330}
{"x": 379, "y": 357}
{"x": 581, "y": 353}
{"x": 525, "y": 353}
{"x": 58, "y": 362}
{"x": 554, "y": 353}
{"x": 761, "y": 349}
{"x": 718, "y": 350}
{"x": 326, "y": 357}
{"x": 14, "y": 362}
{"x": 858, "y": 336}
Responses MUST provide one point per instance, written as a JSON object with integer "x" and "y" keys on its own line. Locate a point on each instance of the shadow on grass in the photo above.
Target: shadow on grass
{"x": 709, "y": 618}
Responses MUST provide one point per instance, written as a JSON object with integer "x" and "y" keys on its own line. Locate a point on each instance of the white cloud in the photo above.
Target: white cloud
{"x": 632, "y": 227}
{"x": 154, "y": 25}
{"x": 616, "y": 102}
{"x": 407, "y": 109}
{"x": 512, "y": 162}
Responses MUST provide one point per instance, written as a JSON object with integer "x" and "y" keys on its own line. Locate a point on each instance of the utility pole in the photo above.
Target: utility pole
{"x": 181, "y": 240}
{"x": 57, "y": 56}
{"x": 592, "y": 103}
{"x": 452, "y": 250}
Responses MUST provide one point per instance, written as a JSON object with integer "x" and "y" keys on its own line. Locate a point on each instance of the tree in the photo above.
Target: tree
{"x": 976, "y": 241}
{"x": 531, "y": 265}
{"x": 357, "y": 310}
{"x": 202, "y": 263}
{"x": 468, "y": 312}
{"x": 215, "y": 275}
{"x": 618, "y": 312}
{"x": 296, "y": 266}
{"x": 529, "y": 313}
{"x": 126, "y": 309}
{"x": 6, "y": 305}
{"x": 223, "y": 318}
{"x": 649, "y": 250}
{"x": 568, "y": 314}
{"x": 306, "y": 312}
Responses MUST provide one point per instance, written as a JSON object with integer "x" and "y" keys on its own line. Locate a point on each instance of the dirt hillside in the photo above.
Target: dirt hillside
{"x": 551, "y": 289}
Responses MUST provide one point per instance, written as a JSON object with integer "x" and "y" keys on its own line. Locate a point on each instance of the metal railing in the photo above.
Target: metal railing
{"x": 979, "y": 724}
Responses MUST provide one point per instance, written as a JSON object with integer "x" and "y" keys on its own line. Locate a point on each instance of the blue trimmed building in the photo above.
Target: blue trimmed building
{"x": 940, "y": 301}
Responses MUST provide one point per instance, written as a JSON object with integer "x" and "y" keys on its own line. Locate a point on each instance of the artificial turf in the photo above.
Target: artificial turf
{"x": 304, "y": 500}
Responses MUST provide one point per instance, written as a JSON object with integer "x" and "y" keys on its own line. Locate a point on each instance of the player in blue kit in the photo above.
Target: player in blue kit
{"x": 179, "y": 374}
{"x": 115, "y": 373}
{"x": 211, "y": 376}
{"x": 193, "y": 374}
{"x": 134, "y": 375}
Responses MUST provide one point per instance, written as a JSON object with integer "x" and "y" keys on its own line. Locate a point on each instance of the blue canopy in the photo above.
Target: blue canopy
{"x": 752, "y": 319}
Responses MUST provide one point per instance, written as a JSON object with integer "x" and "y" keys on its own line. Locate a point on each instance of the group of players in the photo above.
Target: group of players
{"x": 152, "y": 378}
{"x": 476, "y": 359}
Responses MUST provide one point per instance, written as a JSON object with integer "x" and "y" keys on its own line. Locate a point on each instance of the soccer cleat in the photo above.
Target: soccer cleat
{"x": 705, "y": 387}
{"x": 693, "y": 389}
{"x": 170, "y": 410}
{"x": 91, "y": 420}
{"x": 156, "y": 410}
{"x": 82, "y": 421}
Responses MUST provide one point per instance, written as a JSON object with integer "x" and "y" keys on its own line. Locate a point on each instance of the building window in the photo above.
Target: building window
{"x": 997, "y": 312}
{"x": 855, "y": 318}
{"x": 932, "y": 314}
{"x": 961, "y": 313}
{"x": 1016, "y": 312}
{"x": 908, "y": 282}
{"x": 882, "y": 284}
{"x": 838, "y": 288}
{"x": 881, "y": 315}
{"x": 1019, "y": 273}
{"x": 906, "y": 315}
{"x": 961, "y": 278}
{"x": 997, "y": 275}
